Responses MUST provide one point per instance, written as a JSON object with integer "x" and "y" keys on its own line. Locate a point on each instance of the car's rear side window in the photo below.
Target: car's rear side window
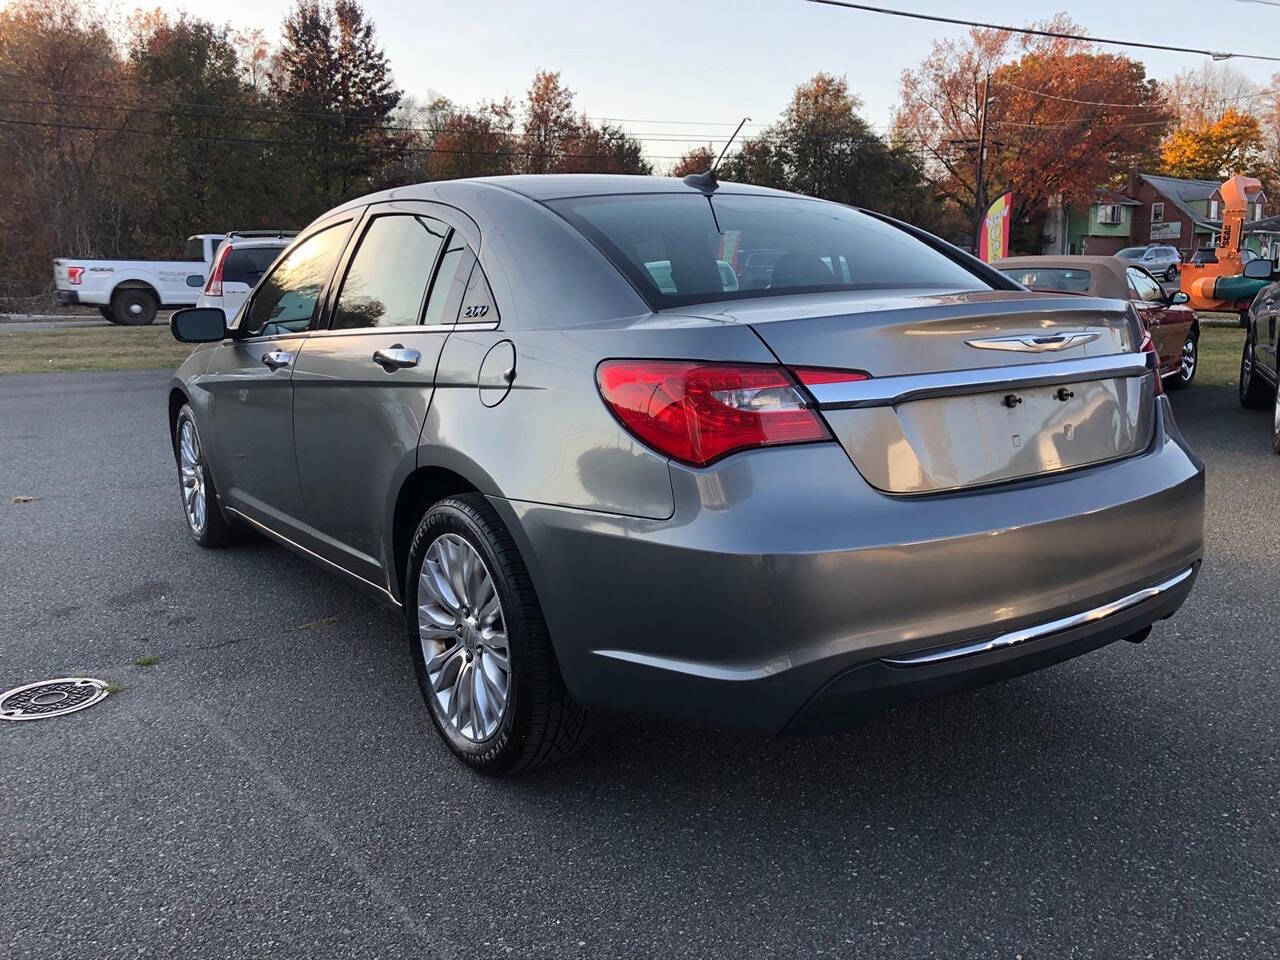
{"x": 248, "y": 264}
{"x": 1053, "y": 278}
{"x": 386, "y": 283}
{"x": 680, "y": 249}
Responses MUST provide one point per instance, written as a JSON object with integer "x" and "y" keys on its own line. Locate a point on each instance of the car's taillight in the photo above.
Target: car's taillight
{"x": 817, "y": 376}
{"x": 213, "y": 288}
{"x": 75, "y": 275}
{"x": 699, "y": 412}
{"x": 1149, "y": 346}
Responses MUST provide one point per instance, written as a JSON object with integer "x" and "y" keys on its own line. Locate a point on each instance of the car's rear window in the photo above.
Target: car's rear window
{"x": 681, "y": 249}
{"x": 248, "y": 264}
{"x": 1053, "y": 278}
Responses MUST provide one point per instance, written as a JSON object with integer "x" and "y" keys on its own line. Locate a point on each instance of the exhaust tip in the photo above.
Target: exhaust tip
{"x": 1140, "y": 635}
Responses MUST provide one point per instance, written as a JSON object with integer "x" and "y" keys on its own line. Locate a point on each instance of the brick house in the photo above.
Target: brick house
{"x": 1186, "y": 214}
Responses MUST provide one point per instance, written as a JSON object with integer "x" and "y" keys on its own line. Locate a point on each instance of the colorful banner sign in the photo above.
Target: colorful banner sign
{"x": 993, "y": 241}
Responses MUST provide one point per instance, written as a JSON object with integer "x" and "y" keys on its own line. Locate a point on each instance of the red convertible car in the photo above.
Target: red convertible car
{"x": 1173, "y": 326}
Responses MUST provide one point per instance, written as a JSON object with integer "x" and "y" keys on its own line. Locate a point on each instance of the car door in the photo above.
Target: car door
{"x": 250, "y": 379}
{"x": 1166, "y": 330}
{"x": 1266, "y": 307}
{"x": 363, "y": 385}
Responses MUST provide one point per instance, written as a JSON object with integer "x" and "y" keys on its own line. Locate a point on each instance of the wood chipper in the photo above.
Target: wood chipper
{"x": 1220, "y": 284}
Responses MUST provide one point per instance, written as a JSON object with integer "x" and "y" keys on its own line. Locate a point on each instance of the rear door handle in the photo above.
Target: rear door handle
{"x": 396, "y": 357}
{"x": 277, "y": 359}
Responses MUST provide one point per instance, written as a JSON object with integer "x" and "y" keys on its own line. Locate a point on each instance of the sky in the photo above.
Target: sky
{"x": 680, "y": 73}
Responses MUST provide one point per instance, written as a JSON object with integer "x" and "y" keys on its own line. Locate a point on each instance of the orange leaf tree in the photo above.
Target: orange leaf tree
{"x": 1063, "y": 120}
{"x": 1231, "y": 144}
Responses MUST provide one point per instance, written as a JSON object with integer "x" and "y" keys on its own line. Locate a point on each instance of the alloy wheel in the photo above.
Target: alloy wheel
{"x": 191, "y": 473}
{"x": 1189, "y": 351}
{"x": 464, "y": 638}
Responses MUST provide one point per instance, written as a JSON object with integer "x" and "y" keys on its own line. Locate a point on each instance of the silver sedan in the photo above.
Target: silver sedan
{"x": 711, "y": 452}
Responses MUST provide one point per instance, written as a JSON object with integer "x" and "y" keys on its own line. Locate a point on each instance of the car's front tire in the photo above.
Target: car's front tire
{"x": 1171, "y": 274}
{"x": 1275, "y": 421}
{"x": 480, "y": 645}
{"x": 205, "y": 520}
{"x": 1253, "y": 389}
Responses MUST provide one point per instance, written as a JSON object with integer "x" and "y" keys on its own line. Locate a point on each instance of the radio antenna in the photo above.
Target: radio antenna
{"x": 706, "y": 181}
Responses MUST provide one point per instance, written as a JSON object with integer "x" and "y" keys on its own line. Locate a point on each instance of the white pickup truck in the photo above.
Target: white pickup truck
{"x": 131, "y": 291}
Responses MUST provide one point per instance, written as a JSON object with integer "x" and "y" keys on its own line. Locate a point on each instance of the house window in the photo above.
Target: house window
{"x": 1157, "y": 213}
{"x": 1214, "y": 206}
{"x": 1110, "y": 213}
{"x": 1257, "y": 211}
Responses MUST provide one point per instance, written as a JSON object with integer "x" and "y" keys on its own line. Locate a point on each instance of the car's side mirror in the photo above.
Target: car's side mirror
{"x": 1260, "y": 269}
{"x": 199, "y": 325}
{"x": 1178, "y": 297}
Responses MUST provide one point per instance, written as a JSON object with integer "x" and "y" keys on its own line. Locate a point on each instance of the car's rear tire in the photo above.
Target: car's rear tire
{"x": 1253, "y": 389}
{"x": 1188, "y": 363}
{"x": 206, "y": 522}
{"x": 134, "y": 306}
{"x": 470, "y": 608}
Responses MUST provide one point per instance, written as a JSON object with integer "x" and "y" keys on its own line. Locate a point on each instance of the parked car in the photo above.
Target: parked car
{"x": 131, "y": 291}
{"x": 883, "y": 471}
{"x": 239, "y": 265}
{"x": 1259, "y": 369}
{"x": 1173, "y": 326}
{"x": 1158, "y": 259}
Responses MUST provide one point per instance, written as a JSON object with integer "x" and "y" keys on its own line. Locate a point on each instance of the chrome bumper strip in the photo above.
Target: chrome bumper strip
{"x": 888, "y": 391}
{"x": 1015, "y": 637}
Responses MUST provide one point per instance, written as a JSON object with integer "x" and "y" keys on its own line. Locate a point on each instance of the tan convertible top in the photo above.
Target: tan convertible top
{"x": 1106, "y": 274}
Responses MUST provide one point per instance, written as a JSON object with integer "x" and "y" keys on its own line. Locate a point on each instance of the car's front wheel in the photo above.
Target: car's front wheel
{"x": 1171, "y": 274}
{"x": 205, "y": 520}
{"x": 480, "y": 646}
{"x": 1253, "y": 389}
{"x": 1187, "y": 363}
{"x": 1275, "y": 422}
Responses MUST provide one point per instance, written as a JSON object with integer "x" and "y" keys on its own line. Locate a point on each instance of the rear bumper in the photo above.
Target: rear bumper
{"x": 773, "y": 597}
{"x": 66, "y": 297}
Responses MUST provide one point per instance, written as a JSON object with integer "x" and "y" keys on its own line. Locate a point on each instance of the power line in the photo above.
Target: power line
{"x": 1135, "y": 106}
{"x": 1053, "y": 34}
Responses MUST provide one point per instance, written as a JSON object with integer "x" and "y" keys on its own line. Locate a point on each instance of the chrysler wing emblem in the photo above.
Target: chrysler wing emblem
{"x": 1030, "y": 343}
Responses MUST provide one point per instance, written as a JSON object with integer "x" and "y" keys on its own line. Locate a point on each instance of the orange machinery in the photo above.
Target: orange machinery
{"x": 1219, "y": 285}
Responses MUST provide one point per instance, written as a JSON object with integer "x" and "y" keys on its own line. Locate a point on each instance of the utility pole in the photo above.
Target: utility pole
{"x": 980, "y": 190}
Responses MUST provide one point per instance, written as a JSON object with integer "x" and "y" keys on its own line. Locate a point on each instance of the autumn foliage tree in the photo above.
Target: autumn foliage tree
{"x": 1233, "y": 143}
{"x": 1062, "y": 120}
{"x": 822, "y": 147}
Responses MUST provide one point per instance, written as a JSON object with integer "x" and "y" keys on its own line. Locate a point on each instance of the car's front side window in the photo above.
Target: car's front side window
{"x": 386, "y": 283}
{"x": 286, "y": 300}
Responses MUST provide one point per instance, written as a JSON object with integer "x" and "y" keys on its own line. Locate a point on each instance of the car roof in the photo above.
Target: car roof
{"x": 1106, "y": 274}
{"x": 552, "y": 186}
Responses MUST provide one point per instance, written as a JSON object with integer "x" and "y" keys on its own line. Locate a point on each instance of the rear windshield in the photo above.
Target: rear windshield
{"x": 681, "y": 249}
{"x": 1132, "y": 253}
{"x": 1053, "y": 278}
{"x": 248, "y": 264}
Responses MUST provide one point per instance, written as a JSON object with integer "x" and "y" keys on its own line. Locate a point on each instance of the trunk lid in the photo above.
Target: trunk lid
{"x": 968, "y": 389}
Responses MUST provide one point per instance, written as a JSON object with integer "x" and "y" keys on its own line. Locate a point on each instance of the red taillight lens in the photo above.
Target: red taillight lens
{"x": 817, "y": 376}
{"x": 1149, "y": 346}
{"x": 75, "y": 275}
{"x": 213, "y": 287}
{"x": 699, "y": 412}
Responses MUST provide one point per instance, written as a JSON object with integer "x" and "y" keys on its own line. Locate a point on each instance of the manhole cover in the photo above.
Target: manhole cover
{"x": 51, "y": 698}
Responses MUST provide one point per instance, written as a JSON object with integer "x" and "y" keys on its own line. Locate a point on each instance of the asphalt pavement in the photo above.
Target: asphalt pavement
{"x": 272, "y": 787}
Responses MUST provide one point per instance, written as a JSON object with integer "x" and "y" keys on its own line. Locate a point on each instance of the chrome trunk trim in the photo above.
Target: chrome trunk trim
{"x": 1015, "y": 637}
{"x": 890, "y": 391}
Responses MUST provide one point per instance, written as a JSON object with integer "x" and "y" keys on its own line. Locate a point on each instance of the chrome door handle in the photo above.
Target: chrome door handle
{"x": 277, "y": 359}
{"x": 396, "y": 357}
